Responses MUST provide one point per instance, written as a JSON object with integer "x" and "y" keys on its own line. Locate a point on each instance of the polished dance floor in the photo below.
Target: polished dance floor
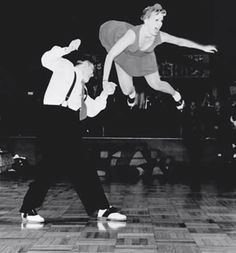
{"x": 192, "y": 211}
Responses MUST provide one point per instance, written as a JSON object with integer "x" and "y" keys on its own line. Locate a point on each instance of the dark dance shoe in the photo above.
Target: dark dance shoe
{"x": 32, "y": 216}
{"x": 111, "y": 213}
{"x": 180, "y": 104}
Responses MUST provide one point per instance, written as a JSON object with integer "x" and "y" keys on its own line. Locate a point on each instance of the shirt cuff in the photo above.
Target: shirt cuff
{"x": 103, "y": 95}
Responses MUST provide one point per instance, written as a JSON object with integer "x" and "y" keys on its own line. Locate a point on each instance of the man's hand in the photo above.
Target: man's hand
{"x": 109, "y": 88}
{"x": 74, "y": 45}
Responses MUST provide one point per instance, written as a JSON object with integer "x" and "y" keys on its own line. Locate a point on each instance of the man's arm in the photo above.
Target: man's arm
{"x": 165, "y": 37}
{"x": 94, "y": 106}
{"x": 53, "y": 60}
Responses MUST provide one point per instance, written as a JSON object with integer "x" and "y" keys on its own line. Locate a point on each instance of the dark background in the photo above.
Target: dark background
{"x": 30, "y": 28}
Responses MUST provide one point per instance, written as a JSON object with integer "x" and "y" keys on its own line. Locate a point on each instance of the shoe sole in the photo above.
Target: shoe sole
{"x": 109, "y": 219}
{"x": 25, "y": 220}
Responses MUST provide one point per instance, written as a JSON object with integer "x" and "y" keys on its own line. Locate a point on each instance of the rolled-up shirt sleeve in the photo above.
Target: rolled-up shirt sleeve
{"x": 53, "y": 59}
{"x": 94, "y": 106}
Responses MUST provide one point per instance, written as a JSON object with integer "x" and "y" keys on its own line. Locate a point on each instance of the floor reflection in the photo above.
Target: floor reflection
{"x": 189, "y": 211}
{"x": 110, "y": 225}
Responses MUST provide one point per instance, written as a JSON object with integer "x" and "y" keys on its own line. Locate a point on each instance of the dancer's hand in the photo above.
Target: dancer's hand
{"x": 109, "y": 87}
{"x": 210, "y": 49}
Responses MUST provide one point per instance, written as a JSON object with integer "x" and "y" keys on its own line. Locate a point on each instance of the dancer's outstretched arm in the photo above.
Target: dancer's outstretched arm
{"x": 165, "y": 37}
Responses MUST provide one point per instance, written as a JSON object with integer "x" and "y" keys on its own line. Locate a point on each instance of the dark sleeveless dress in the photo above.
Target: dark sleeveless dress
{"x": 132, "y": 60}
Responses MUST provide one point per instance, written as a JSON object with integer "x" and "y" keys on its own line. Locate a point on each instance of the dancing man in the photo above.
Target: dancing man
{"x": 62, "y": 148}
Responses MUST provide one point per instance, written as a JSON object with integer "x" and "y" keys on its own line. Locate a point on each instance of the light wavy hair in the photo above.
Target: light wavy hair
{"x": 150, "y": 9}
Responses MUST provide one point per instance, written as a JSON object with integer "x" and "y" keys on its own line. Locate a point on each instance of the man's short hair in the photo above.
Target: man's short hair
{"x": 92, "y": 59}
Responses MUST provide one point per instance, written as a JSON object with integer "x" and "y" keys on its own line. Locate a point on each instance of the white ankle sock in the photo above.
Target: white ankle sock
{"x": 176, "y": 96}
{"x": 133, "y": 94}
{"x": 101, "y": 212}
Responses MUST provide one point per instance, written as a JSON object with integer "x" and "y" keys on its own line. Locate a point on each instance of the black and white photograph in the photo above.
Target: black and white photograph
{"x": 118, "y": 126}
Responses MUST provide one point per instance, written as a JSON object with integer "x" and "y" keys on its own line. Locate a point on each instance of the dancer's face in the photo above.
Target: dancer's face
{"x": 88, "y": 73}
{"x": 87, "y": 70}
{"x": 154, "y": 22}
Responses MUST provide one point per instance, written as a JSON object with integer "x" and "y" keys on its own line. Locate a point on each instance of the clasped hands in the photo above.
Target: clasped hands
{"x": 109, "y": 87}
